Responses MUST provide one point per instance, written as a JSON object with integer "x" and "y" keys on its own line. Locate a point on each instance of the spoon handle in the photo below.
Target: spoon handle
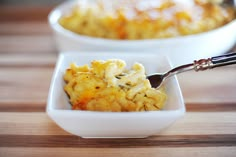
{"x": 216, "y": 61}
{"x": 224, "y": 60}
{"x": 204, "y": 64}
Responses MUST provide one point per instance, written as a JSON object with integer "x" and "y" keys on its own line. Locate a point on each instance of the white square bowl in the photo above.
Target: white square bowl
{"x": 90, "y": 124}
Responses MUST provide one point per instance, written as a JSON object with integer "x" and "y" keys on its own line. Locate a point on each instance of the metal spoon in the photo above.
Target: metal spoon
{"x": 157, "y": 79}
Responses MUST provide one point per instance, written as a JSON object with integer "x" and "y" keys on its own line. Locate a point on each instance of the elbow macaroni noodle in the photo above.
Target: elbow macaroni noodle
{"x": 109, "y": 86}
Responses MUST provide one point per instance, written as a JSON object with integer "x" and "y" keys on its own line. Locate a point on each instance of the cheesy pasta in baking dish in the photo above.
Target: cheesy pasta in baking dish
{"x": 110, "y": 86}
{"x": 145, "y": 19}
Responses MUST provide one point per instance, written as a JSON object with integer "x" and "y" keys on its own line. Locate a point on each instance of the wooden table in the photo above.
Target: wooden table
{"x": 27, "y": 59}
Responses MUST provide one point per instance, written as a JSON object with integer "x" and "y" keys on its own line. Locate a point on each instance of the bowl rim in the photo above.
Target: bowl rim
{"x": 51, "y": 110}
{"x": 56, "y": 13}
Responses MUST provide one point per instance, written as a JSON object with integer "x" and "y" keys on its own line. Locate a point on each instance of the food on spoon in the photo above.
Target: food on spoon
{"x": 145, "y": 19}
{"x": 109, "y": 86}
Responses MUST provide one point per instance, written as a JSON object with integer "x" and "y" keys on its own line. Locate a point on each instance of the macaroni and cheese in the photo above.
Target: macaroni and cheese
{"x": 145, "y": 19}
{"x": 110, "y": 86}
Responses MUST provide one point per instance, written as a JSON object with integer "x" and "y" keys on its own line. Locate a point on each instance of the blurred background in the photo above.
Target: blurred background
{"x": 30, "y": 2}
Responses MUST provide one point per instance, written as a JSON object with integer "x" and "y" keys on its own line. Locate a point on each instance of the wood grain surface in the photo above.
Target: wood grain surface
{"x": 27, "y": 59}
